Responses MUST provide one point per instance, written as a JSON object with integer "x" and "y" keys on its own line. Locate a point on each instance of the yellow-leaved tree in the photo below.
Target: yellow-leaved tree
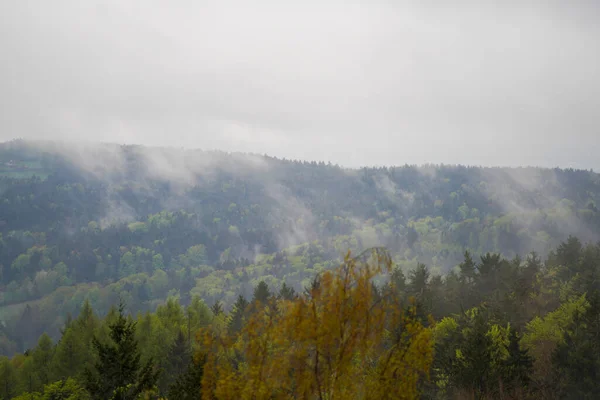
{"x": 341, "y": 339}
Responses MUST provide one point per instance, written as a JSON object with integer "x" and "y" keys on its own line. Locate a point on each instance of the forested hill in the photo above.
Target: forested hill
{"x": 101, "y": 222}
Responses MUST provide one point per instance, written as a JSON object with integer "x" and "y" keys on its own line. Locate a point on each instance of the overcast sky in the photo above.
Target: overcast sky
{"x": 356, "y": 83}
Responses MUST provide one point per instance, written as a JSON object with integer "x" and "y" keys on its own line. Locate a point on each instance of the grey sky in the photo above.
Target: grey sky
{"x": 355, "y": 83}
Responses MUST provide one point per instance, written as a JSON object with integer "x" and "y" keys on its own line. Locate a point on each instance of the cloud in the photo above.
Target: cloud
{"x": 368, "y": 83}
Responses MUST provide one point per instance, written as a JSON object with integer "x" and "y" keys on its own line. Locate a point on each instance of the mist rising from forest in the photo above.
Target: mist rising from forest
{"x": 520, "y": 192}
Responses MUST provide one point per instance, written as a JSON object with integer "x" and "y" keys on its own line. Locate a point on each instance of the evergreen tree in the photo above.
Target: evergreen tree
{"x": 238, "y": 315}
{"x": 518, "y": 366}
{"x": 467, "y": 268}
{"x": 188, "y": 386}
{"x": 398, "y": 279}
{"x": 118, "y": 370}
{"x": 418, "y": 280}
{"x": 261, "y": 294}
{"x": 419, "y": 289}
{"x": 287, "y": 292}
{"x": 217, "y": 308}
{"x": 178, "y": 359}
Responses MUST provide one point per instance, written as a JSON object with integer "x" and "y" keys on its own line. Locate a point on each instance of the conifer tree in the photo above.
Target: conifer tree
{"x": 467, "y": 268}
{"x": 177, "y": 361}
{"x": 188, "y": 386}
{"x": 238, "y": 315}
{"x": 217, "y": 308}
{"x": 118, "y": 371}
{"x": 287, "y": 292}
{"x": 261, "y": 293}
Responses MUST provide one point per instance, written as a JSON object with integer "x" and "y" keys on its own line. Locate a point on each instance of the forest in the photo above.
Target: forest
{"x": 136, "y": 272}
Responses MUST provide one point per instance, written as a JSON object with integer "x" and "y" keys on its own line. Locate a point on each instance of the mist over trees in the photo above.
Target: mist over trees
{"x": 218, "y": 260}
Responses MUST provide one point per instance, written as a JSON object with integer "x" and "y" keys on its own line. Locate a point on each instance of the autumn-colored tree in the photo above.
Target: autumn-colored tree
{"x": 336, "y": 341}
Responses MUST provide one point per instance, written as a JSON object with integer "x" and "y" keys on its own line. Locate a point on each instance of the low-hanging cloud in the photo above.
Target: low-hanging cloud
{"x": 361, "y": 83}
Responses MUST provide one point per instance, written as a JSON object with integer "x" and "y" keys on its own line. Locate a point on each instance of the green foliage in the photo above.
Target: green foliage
{"x": 188, "y": 385}
{"x": 454, "y": 233}
{"x": 8, "y": 378}
{"x": 238, "y": 314}
{"x": 67, "y": 389}
{"x": 118, "y": 372}
{"x": 577, "y": 356}
{"x": 262, "y": 293}
{"x": 475, "y": 355}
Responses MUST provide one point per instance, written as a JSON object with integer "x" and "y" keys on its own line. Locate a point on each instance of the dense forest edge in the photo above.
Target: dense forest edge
{"x": 472, "y": 256}
{"x": 497, "y": 328}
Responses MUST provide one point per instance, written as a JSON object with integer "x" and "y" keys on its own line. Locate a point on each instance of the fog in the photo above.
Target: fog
{"x": 366, "y": 83}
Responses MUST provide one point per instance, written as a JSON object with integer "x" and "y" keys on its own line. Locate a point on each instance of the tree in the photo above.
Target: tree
{"x": 419, "y": 288}
{"x": 261, "y": 294}
{"x": 118, "y": 368}
{"x": 238, "y": 315}
{"x": 67, "y": 389}
{"x": 467, "y": 268}
{"x": 475, "y": 357}
{"x": 518, "y": 367}
{"x": 177, "y": 361}
{"x": 42, "y": 358}
{"x": 8, "y": 378}
{"x": 418, "y": 280}
{"x": 578, "y": 356}
{"x": 188, "y": 386}
{"x": 287, "y": 292}
{"x": 398, "y": 280}
{"x": 71, "y": 353}
{"x": 217, "y": 308}
{"x": 335, "y": 341}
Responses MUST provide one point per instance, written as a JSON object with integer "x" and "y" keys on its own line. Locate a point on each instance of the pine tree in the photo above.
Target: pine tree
{"x": 217, "y": 308}
{"x": 519, "y": 364}
{"x": 177, "y": 361}
{"x": 467, "y": 268}
{"x": 287, "y": 292}
{"x": 118, "y": 370}
{"x": 188, "y": 386}
{"x": 261, "y": 294}
{"x": 398, "y": 280}
{"x": 238, "y": 315}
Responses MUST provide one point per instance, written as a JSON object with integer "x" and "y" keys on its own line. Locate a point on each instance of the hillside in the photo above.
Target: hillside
{"x": 104, "y": 221}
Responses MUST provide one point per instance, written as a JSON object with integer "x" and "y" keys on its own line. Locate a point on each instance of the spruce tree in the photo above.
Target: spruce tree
{"x": 188, "y": 386}
{"x": 118, "y": 371}
{"x": 467, "y": 268}
{"x": 217, "y": 308}
{"x": 238, "y": 315}
{"x": 287, "y": 292}
{"x": 261, "y": 293}
{"x": 176, "y": 362}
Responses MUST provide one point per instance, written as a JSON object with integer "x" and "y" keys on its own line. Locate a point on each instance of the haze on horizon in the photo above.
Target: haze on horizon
{"x": 370, "y": 83}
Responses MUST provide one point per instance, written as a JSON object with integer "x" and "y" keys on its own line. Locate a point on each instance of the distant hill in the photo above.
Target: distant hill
{"x": 102, "y": 221}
